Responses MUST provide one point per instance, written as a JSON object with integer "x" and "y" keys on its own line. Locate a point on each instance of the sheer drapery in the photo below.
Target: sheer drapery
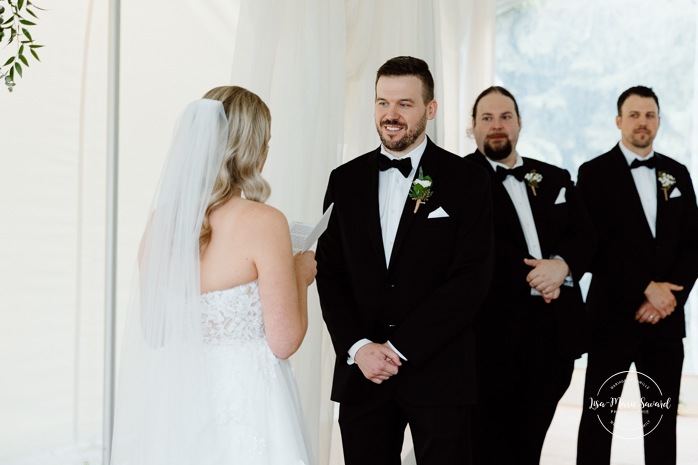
{"x": 455, "y": 37}
{"x": 52, "y": 205}
{"x": 291, "y": 54}
{"x": 52, "y": 202}
{"x": 312, "y": 61}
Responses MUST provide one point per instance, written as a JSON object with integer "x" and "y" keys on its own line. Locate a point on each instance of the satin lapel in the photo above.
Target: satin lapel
{"x": 503, "y": 204}
{"x": 662, "y": 204}
{"x": 429, "y": 166}
{"x": 539, "y": 202}
{"x": 626, "y": 189}
{"x": 368, "y": 199}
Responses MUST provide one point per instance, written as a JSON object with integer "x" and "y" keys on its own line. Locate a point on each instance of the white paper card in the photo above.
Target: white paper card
{"x": 303, "y": 235}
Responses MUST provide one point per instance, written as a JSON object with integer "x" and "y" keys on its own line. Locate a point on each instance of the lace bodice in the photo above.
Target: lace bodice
{"x": 232, "y": 315}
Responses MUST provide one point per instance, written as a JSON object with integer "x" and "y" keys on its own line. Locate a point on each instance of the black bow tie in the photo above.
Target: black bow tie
{"x": 403, "y": 164}
{"x": 518, "y": 173}
{"x": 649, "y": 163}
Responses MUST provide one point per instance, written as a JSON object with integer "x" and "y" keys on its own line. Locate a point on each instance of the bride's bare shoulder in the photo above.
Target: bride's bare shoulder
{"x": 258, "y": 218}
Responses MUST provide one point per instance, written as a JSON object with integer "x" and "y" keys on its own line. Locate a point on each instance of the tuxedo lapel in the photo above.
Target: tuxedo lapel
{"x": 663, "y": 214}
{"x": 626, "y": 189}
{"x": 429, "y": 166}
{"x": 503, "y": 205}
{"x": 540, "y": 201}
{"x": 368, "y": 199}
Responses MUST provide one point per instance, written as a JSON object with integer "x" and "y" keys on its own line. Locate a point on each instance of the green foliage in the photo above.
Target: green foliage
{"x": 420, "y": 191}
{"x": 14, "y": 29}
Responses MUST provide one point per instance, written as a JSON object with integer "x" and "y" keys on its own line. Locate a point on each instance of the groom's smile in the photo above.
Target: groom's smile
{"x": 401, "y": 113}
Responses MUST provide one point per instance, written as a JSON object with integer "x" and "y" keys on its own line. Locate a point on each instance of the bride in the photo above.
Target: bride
{"x": 218, "y": 306}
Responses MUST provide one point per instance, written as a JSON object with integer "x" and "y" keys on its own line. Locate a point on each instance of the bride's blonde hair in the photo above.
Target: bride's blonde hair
{"x": 249, "y": 130}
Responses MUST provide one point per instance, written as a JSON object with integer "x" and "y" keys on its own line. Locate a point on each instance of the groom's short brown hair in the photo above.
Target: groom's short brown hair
{"x": 410, "y": 66}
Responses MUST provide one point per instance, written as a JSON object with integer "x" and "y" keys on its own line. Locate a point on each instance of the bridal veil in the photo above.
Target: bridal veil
{"x": 162, "y": 399}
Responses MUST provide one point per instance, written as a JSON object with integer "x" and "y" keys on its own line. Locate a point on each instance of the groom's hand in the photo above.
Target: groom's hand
{"x": 377, "y": 362}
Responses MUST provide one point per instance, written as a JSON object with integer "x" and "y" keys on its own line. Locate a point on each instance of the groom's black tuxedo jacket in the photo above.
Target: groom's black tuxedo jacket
{"x": 629, "y": 257}
{"x": 425, "y": 301}
{"x": 564, "y": 229}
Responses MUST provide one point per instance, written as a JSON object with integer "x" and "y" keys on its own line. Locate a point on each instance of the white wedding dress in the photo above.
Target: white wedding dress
{"x": 257, "y": 416}
{"x": 198, "y": 383}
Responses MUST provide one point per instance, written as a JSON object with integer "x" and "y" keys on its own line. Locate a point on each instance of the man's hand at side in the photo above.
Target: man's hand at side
{"x": 547, "y": 276}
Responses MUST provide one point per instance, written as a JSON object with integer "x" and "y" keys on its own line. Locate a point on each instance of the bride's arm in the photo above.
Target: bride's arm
{"x": 283, "y": 282}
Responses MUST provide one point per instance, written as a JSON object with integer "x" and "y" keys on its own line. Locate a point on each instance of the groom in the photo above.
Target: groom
{"x": 402, "y": 271}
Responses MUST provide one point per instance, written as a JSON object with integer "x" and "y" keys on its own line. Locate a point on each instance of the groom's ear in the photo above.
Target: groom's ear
{"x": 431, "y": 109}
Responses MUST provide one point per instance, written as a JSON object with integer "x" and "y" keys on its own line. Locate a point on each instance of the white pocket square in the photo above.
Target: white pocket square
{"x": 438, "y": 213}
{"x": 561, "y": 197}
{"x": 675, "y": 193}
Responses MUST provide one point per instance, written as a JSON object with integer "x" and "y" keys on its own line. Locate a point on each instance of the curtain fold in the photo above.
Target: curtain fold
{"x": 291, "y": 54}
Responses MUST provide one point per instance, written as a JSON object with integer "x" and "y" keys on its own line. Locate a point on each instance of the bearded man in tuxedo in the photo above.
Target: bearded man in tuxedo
{"x": 530, "y": 329}
{"x": 403, "y": 268}
{"x": 644, "y": 208}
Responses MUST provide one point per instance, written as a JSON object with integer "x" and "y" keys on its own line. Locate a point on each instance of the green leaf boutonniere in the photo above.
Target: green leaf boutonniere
{"x": 533, "y": 179}
{"x": 421, "y": 189}
{"x": 667, "y": 181}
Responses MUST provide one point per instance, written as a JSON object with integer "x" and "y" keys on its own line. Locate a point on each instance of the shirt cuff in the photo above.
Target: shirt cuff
{"x": 354, "y": 349}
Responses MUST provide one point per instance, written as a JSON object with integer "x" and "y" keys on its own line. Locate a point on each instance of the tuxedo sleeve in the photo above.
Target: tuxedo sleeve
{"x": 685, "y": 271}
{"x": 339, "y": 307}
{"x": 450, "y": 309}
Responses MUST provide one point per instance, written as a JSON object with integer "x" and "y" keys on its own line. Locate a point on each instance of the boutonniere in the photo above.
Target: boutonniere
{"x": 532, "y": 179}
{"x": 421, "y": 189}
{"x": 666, "y": 180}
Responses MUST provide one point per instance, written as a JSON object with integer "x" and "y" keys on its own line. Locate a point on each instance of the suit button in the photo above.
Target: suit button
{"x": 390, "y": 285}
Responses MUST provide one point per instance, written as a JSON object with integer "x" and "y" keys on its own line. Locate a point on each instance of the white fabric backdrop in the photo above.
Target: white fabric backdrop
{"x": 313, "y": 61}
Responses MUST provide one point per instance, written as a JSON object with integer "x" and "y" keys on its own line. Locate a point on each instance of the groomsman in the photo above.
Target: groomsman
{"x": 644, "y": 208}
{"x": 530, "y": 329}
{"x": 403, "y": 268}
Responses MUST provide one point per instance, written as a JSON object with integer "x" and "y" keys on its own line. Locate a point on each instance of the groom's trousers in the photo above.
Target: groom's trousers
{"x": 373, "y": 431}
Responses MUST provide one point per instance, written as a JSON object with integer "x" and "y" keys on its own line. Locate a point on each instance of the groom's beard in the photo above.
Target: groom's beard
{"x": 399, "y": 145}
{"x": 500, "y": 152}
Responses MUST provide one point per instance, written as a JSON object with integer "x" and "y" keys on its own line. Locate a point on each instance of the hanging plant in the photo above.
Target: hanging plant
{"x": 16, "y": 18}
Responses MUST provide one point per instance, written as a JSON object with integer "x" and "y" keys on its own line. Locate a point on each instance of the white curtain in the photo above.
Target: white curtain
{"x": 291, "y": 54}
{"x": 312, "y": 61}
{"x": 52, "y": 150}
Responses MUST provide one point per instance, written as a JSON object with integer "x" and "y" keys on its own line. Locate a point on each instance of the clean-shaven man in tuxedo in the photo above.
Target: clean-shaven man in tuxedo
{"x": 644, "y": 208}
{"x": 402, "y": 271}
{"x": 530, "y": 329}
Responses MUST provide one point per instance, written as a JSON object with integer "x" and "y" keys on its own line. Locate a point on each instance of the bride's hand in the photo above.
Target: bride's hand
{"x": 306, "y": 267}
